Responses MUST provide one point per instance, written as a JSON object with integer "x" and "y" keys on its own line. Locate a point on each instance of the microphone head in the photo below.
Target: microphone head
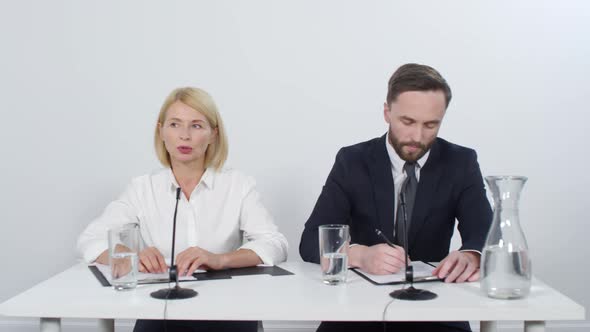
{"x": 178, "y": 193}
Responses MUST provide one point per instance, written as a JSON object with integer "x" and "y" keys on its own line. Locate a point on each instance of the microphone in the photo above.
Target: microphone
{"x": 410, "y": 293}
{"x": 175, "y": 293}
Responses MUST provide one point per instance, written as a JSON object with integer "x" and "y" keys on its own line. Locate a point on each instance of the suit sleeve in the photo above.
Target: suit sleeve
{"x": 473, "y": 210}
{"x": 332, "y": 207}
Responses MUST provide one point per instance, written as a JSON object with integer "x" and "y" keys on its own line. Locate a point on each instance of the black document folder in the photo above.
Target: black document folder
{"x": 203, "y": 276}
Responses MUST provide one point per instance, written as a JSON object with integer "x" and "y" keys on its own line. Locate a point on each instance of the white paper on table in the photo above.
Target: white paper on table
{"x": 106, "y": 271}
{"x": 422, "y": 272}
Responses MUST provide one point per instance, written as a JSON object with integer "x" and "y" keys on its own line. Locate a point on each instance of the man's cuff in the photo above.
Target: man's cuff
{"x": 471, "y": 250}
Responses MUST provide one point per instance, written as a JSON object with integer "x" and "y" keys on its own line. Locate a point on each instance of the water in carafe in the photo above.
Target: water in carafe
{"x": 506, "y": 265}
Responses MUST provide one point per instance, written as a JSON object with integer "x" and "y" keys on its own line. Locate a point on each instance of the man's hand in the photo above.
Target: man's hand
{"x": 151, "y": 260}
{"x": 459, "y": 266}
{"x": 194, "y": 257}
{"x": 377, "y": 259}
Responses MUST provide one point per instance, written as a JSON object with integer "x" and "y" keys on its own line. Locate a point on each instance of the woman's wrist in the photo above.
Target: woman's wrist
{"x": 223, "y": 260}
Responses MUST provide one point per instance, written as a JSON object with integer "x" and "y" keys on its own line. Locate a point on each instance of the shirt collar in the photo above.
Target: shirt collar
{"x": 208, "y": 179}
{"x": 397, "y": 162}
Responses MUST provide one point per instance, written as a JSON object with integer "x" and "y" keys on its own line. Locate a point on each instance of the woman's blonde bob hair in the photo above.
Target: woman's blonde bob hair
{"x": 200, "y": 101}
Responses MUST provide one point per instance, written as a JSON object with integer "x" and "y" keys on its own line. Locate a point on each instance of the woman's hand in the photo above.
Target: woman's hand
{"x": 194, "y": 257}
{"x": 151, "y": 260}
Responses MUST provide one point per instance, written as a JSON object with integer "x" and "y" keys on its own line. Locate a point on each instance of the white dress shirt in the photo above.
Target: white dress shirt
{"x": 223, "y": 214}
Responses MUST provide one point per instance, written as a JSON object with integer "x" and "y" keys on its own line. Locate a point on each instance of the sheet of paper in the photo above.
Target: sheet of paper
{"x": 421, "y": 269}
{"x": 106, "y": 271}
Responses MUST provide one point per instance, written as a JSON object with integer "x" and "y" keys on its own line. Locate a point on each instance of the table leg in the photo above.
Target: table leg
{"x": 50, "y": 324}
{"x": 488, "y": 326}
{"x": 106, "y": 325}
{"x": 534, "y": 326}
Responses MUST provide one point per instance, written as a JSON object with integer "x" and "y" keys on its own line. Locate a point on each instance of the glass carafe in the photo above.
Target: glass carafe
{"x": 506, "y": 264}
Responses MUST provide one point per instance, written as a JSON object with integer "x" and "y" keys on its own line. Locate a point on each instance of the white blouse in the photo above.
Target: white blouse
{"x": 223, "y": 214}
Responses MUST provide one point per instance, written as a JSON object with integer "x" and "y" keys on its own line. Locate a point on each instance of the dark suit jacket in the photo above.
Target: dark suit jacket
{"x": 359, "y": 192}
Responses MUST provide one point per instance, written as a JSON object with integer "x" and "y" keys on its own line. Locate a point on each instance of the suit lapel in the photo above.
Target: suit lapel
{"x": 379, "y": 166}
{"x": 429, "y": 178}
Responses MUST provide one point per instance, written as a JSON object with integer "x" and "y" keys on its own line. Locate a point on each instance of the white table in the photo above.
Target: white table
{"x": 75, "y": 293}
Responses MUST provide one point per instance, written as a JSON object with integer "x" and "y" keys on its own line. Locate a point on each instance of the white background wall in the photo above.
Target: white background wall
{"x": 81, "y": 83}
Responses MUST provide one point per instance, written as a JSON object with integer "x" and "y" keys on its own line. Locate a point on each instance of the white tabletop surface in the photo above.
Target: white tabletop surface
{"x": 75, "y": 293}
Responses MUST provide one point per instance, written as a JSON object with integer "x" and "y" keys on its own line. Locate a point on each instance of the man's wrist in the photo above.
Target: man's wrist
{"x": 355, "y": 255}
{"x": 475, "y": 255}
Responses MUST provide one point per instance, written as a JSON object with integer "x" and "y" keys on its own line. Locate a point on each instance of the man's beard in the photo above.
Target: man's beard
{"x": 409, "y": 157}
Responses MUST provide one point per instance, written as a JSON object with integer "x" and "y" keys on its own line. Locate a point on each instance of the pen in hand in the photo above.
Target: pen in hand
{"x": 381, "y": 235}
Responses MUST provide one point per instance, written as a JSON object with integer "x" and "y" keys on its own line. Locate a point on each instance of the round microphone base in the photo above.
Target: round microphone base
{"x": 413, "y": 294}
{"x": 175, "y": 293}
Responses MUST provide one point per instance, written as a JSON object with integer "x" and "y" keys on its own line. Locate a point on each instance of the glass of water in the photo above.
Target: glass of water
{"x": 334, "y": 242}
{"x": 123, "y": 256}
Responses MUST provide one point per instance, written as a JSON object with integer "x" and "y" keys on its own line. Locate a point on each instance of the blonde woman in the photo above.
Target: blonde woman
{"x": 221, "y": 222}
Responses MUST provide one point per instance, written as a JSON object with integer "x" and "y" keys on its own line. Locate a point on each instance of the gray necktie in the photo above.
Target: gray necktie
{"x": 409, "y": 190}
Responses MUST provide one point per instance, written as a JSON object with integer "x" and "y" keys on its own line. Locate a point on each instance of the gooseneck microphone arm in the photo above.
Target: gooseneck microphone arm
{"x": 173, "y": 270}
{"x": 175, "y": 293}
{"x": 409, "y": 268}
{"x": 410, "y": 293}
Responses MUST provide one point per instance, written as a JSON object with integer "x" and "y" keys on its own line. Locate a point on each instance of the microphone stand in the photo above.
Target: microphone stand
{"x": 175, "y": 293}
{"x": 410, "y": 293}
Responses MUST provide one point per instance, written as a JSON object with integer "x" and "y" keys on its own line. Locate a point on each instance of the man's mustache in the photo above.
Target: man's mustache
{"x": 415, "y": 145}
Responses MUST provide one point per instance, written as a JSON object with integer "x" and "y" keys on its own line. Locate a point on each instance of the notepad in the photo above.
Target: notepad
{"x": 422, "y": 273}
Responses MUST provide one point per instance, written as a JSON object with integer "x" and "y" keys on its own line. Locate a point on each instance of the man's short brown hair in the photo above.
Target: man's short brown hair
{"x": 416, "y": 77}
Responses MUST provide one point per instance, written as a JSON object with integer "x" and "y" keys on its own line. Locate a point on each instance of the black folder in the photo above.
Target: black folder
{"x": 203, "y": 276}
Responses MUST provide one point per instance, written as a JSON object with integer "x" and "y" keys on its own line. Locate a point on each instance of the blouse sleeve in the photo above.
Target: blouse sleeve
{"x": 260, "y": 232}
{"x": 93, "y": 240}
